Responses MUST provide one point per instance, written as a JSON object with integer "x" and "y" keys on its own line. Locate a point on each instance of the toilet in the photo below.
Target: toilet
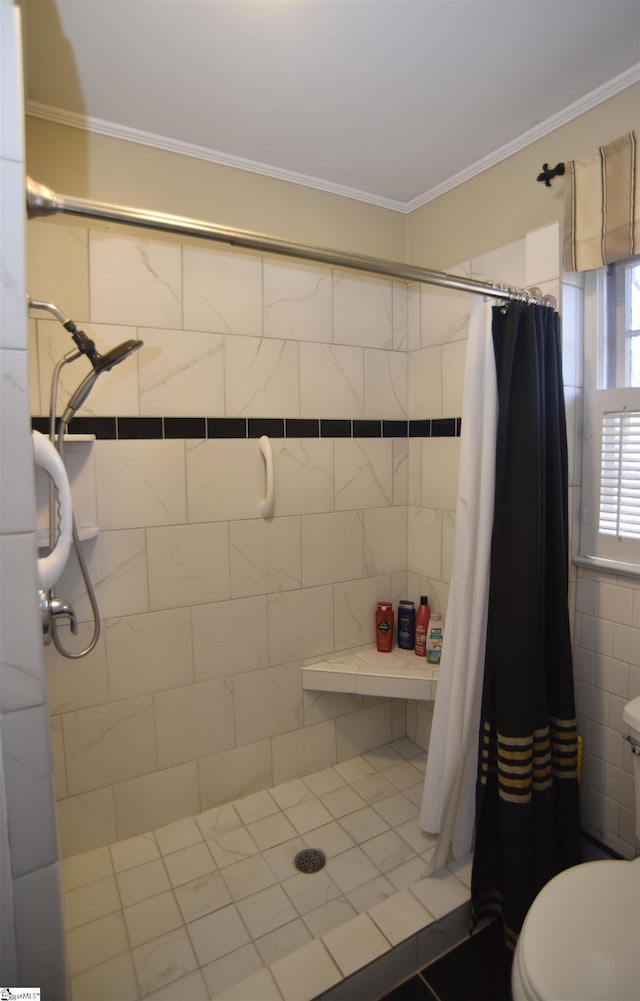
{"x": 580, "y": 940}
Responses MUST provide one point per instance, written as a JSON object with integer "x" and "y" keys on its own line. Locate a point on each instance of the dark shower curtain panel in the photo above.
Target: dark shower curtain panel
{"x": 527, "y": 818}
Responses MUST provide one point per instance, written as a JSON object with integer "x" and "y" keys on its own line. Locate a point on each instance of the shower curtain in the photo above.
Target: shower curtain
{"x": 448, "y": 796}
{"x": 527, "y": 822}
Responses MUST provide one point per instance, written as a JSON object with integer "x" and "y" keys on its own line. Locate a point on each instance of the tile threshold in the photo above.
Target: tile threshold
{"x": 397, "y": 675}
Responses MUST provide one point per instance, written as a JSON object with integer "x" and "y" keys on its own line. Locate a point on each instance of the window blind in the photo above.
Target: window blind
{"x": 620, "y": 475}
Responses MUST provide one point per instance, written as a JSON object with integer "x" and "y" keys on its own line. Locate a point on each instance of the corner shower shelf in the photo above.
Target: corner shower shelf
{"x": 396, "y": 675}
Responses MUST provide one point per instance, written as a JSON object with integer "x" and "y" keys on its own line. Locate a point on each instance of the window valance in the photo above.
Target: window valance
{"x": 603, "y": 206}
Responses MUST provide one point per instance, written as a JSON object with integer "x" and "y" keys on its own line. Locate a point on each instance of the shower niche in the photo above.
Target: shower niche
{"x": 79, "y": 460}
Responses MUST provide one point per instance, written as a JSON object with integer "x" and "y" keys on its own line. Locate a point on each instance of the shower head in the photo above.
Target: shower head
{"x": 100, "y": 363}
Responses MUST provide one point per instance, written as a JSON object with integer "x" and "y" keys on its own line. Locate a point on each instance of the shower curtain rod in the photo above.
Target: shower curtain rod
{"x": 42, "y": 201}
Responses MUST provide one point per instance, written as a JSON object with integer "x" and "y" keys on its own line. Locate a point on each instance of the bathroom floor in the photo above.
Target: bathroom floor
{"x": 213, "y": 907}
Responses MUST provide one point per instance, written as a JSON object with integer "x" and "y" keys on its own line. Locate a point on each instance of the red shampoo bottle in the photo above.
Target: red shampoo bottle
{"x": 422, "y": 626}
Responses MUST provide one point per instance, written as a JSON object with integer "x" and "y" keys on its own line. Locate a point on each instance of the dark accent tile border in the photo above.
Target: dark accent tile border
{"x": 140, "y": 427}
{"x": 297, "y": 427}
{"x": 130, "y": 428}
{"x": 185, "y": 427}
{"x": 271, "y": 426}
{"x": 367, "y": 429}
{"x": 335, "y": 429}
{"x": 226, "y": 427}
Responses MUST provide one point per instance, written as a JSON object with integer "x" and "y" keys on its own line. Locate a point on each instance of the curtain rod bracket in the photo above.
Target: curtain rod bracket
{"x": 548, "y": 173}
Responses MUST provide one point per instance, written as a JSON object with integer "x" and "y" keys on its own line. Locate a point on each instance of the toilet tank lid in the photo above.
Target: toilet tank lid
{"x": 631, "y": 715}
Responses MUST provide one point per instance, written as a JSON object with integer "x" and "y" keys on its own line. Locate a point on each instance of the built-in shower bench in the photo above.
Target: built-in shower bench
{"x": 396, "y": 675}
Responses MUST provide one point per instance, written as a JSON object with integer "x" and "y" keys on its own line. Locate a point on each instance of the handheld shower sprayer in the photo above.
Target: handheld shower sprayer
{"x": 51, "y": 606}
{"x": 99, "y": 362}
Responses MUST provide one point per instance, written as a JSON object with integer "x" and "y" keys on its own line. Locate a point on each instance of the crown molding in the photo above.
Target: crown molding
{"x": 586, "y": 103}
{"x": 98, "y": 125}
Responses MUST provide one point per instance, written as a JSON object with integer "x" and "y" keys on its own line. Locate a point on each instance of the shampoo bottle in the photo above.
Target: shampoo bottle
{"x": 422, "y": 626}
{"x": 384, "y": 626}
{"x": 434, "y": 639}
{"x": 406, "y": 624}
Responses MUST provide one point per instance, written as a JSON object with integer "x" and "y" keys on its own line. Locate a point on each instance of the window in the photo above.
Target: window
{"x": 610, "y": 526}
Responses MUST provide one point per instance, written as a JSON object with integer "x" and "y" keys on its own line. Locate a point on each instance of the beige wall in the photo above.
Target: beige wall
{"x": 491, "y": 210}
{"x": 99, "y": 167}
{"x": 497, "y": 207}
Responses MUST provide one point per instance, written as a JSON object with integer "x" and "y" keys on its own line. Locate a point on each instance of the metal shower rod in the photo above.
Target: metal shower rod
{"x": 41, "y": 201}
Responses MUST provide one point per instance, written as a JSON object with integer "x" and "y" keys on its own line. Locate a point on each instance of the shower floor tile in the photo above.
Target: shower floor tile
{"x": 213, "y": 906}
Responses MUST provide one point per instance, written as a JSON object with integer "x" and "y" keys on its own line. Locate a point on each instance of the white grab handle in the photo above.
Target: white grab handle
{"x": 46, "y": 457}
{"x": 266, "y": 505}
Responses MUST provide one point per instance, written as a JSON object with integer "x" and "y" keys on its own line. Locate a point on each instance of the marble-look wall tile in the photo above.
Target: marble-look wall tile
{"x": 268, "y": 702}
{"x": 400, "y": 458}
{"x": 508, "y": 261}
{"x": 425, "y": 542}
{"x": 414, "y": 295}
{"x": 385, "y": 385}
{"x": 188, "y": 564}
{"x": 230, "y": 637}
{"x": 157, "y": 799}
{"x": 77, "y": 684}
{"x": 444, "y": 314}
{"x": 233, "y": 774}
{"x": 134, "y": 280}
{"x": 440, "y": 462}
{"x": 149, "y": 653}
{"x": 58, "y": 267}
{"x": 319, "y": 706}
{"x": 297, "y": 301}
{"x": 20, "y": 627}
{"x": 57, "y": 757}
{"x": 29, "y": 789}
{"x": 300, "y": 624}
{"x": 225, "y": 479}
{"x": 261, "y": 377}
{"x": 414, "y": 486}
{"x": 265, "y": 556}
{"x": 448, "y": 543}
{"x": 331, "y": 381}
{"x": 425, "y": 383}
{"x": 385, "y": 540}
{"x": 362, "y": 310}
{"x": 140, "y": 483}
{"x": 194, "y": 721}
{"x": 222, "y": 291}
{"x": 86, "y": 821}
{"x": 364, "y": 473}
{"x": 363, "y": 730}
{"x": 303, "y": 471}
{"x": 115, "y": 392}
{"x": 454, "y": 357}
{"x": 118, "y": 570}
{"x": 304, "y": 751}
{"x": 332, "y": 547}
{"x": 355, "y": 607}
{"x": 181, "y": 373}
{"x": 17, "y": 511}
{"x": 109, "y": 743}
{"x": 400, "y": 307}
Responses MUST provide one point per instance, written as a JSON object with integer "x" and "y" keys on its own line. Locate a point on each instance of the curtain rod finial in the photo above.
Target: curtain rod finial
{"x": 548, "y": 173}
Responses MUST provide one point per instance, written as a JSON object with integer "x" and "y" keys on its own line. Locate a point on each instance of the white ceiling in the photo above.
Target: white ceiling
{"x": 392, "y": 101}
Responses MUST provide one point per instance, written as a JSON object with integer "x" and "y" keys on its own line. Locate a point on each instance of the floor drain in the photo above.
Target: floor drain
{"x": 310, "y": 860}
